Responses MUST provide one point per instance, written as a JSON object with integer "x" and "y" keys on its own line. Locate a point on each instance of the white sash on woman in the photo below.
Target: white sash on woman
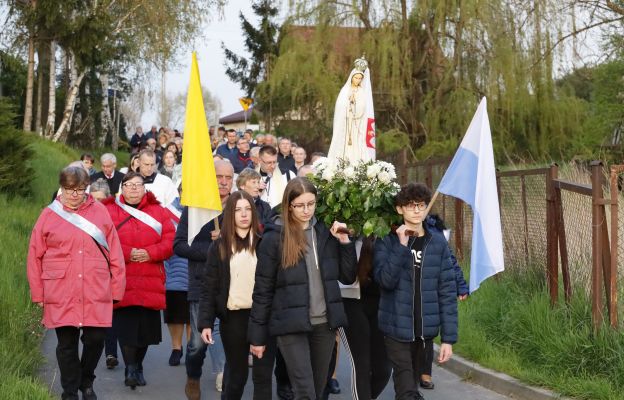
{"x": 80, "y": 222}
{"x": 141, "y": 216}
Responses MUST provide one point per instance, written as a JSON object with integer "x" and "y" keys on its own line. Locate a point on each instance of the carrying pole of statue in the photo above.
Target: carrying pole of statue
{"x": 353, "y": 137}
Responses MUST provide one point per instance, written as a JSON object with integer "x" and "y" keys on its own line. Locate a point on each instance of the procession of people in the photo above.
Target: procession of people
{"x": 267, "y": 284}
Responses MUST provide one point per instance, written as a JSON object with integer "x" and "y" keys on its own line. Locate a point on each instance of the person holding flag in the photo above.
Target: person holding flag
{"x": 417, "y": 290}
{"x": 206, "y": 185}
{"x": 353, "y": 136}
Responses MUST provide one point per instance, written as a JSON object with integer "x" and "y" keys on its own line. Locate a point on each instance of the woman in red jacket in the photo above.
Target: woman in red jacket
{"x": 75, "y": 272}
{"x": 146, "y": 234}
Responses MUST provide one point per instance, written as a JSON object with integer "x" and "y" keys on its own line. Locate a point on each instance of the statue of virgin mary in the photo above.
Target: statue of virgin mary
{"x": 353, "y": 136}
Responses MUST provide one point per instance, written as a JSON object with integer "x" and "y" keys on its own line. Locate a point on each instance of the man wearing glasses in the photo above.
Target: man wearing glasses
{"x": 274, "y": 179}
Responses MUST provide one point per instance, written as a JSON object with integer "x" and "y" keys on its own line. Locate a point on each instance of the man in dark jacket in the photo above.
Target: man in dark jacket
{"x": 242, "y": 159}
{"x": 418, "y": 291}
{"x": 139, "y": 139}
{"x": 109, "y": 172}
{"x": 196, "y": 254}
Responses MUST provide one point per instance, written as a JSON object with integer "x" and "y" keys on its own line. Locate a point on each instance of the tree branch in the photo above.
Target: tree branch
{"x": 574, "y": 33}
{"x": 615, "y": 8}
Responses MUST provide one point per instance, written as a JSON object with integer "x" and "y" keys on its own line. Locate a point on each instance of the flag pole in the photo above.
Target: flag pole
{"x": 433, "y": 199}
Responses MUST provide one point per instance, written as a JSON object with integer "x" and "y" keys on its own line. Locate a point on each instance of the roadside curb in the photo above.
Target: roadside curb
{"x": 495, "y": 381}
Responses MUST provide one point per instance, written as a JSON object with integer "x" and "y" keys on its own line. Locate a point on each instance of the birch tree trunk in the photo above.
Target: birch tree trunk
{"x": 115, "y": 141}
{"x": 39, "y": 97}
{"x": 105, "y": 116}
{"x": 68, "y": 111}
{"x": 30, "y": 79}
{"x": 49, "y": 129}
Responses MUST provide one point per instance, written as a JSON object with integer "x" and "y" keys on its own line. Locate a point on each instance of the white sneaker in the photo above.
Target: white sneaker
{"x": 219, "y": 382}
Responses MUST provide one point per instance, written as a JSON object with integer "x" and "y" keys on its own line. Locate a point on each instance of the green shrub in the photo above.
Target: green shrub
{"x": 15, "y": 154}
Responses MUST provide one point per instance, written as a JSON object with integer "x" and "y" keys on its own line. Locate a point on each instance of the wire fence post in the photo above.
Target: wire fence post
{"x": 597, "y": 220}
{"x": 552, "y": 249}
{"x": 613, "y": 181}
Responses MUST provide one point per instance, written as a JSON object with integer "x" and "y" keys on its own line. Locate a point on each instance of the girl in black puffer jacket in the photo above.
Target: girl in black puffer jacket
{"x": 296, "y": 295}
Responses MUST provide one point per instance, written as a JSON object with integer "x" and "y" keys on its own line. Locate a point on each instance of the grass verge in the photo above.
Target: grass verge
{"x": 509, "y": 326}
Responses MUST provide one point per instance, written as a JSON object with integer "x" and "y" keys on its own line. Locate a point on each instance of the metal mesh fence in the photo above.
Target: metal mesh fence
{"x": 523, "y": 207}
{"x": 523, "y": 219}
{"x": 577, "y": 217}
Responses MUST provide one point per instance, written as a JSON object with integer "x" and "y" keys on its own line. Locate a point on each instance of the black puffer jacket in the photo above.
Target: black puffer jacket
{"x": 281, "y": 296}
{"x": 393, "y": 268}
{"x": 215, "y": 289}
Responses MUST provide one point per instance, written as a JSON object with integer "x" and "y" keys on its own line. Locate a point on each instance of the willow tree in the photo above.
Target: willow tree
{"x": 431, "y": 62}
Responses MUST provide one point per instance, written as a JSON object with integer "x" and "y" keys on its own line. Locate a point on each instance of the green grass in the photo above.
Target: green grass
{"x": 509, "y": 326}
{"x": 20, "y": 328}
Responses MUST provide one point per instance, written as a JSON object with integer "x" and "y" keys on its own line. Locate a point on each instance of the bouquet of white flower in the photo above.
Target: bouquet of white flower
{"x": 361, "y": 195}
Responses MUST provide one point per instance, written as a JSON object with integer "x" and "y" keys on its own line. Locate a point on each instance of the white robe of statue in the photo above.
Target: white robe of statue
{"x": 350, "y": 120}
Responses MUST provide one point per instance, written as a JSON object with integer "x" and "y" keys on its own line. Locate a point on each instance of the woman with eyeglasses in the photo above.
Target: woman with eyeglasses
{"x": 76, "y": 271}
{"x": 296, "y": 295}
{"x": 146, "y": 234}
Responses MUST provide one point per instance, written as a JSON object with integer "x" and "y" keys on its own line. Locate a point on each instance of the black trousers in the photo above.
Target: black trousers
{"x": 365, "y": 346}
{"x": 425, "y": 358}
{"x": 77, "y": 372}
{"x": 110, "y": 343}
{"x": 404, "y": 358}
{"x": 307, "y": 357}
{"x": 236, "y": 348}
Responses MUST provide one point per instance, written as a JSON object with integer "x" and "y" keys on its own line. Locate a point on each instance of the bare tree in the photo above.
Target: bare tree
{"x": 49, "y": 129}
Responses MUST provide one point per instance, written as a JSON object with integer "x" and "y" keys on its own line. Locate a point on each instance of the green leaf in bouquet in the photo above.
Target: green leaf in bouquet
{"x": 367, "y": 204}
{"x": 331, "y": 199}
{"x": 382, "y": 227}
{"x": 369, "y": 227}
{"x": 346, "y": 213}
{"x": 342, "y": 190}
{"x": 321, "y": 207}
{"x": 329, "y": 220}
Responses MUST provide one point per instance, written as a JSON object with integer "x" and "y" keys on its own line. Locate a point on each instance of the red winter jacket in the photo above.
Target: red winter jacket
{"x": 68, "y": 273}
{"x": 145, "y": 281}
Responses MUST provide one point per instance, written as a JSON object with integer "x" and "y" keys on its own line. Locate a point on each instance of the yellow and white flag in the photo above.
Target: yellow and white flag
{"x": 200, "y": 191}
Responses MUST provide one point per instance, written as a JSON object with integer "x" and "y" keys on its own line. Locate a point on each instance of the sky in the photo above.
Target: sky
{"x": 210, "y": 58}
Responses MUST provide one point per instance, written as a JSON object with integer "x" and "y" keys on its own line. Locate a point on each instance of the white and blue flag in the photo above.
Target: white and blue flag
{"x": 472, "y": 178}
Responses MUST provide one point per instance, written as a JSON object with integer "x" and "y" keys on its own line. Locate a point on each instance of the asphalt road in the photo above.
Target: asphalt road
{"x": 165, "y": 382}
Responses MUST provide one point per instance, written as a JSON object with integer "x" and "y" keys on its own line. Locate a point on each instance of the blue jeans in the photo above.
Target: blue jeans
{"x": 196, "y": 348}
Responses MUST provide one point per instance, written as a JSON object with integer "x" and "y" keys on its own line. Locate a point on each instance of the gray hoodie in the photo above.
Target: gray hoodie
{"x": 318, "y": 309}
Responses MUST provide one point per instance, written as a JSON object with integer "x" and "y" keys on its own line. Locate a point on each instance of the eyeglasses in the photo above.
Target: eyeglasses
{"x": 72, "y": 192}
{"x": 132, "y": 185}
{"x": 303, "y": 206}
{"x": 422, "y": 206}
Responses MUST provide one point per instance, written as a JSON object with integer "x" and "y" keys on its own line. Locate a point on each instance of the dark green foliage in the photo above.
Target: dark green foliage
{"x": 260, "y": 42}
{"x": 15, "y": 154}
{"x": 13, "y": 81}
